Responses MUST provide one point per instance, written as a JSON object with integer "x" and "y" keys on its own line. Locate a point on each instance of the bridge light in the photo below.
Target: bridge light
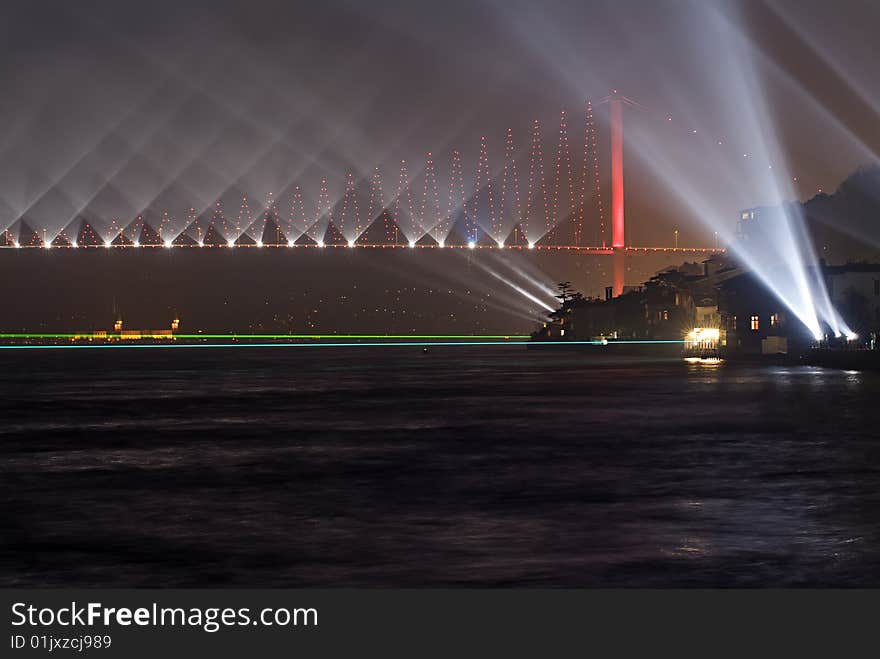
{"x": 471, "y": 244}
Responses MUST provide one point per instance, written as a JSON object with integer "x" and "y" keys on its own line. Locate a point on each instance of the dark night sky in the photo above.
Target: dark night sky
{"x": 111, "y": 107}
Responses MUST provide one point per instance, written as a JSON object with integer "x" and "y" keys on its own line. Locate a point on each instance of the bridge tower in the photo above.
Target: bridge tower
{"x": 618, "y": 223}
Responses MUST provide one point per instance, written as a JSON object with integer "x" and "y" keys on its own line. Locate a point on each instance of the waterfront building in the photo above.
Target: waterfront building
{"x": 854, "y": 290}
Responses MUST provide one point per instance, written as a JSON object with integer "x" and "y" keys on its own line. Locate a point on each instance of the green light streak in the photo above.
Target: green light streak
{"x": 77, "y": 346}
{"x": 313, "y": 337}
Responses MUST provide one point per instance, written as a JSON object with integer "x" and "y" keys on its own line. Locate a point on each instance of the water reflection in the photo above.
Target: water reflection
{"x": 455, "y": 467}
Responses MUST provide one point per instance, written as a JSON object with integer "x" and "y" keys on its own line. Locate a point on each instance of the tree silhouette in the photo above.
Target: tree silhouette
{"x": 566, "y": 292}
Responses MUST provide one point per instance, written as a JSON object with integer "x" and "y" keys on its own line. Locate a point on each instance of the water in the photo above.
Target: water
{"x": 463, "y": 466}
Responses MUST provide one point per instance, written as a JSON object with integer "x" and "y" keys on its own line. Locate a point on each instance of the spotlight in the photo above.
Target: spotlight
{"x": 290, "y": 243}
{"x": 351, "y": 243}
{"x": 471, "y": 244}
{"x": 47, "y": 245}
{"x": 531, "y": 245}
{"x": 851, "y": 336}
{"x": 230, "y": 243}
{"x": 500, "y": 244}
{"x": 441, "y": 244}
{"x": 136, "y": 243}
{"x": 168, "y": 244}
{"x": 259, "y": 243}
{"x": 201, "y": 244}
{"x": 74, "y": 244}
{"x": 17, "y": 244}
{"x": 320, "y": 243}
{"x": 412, "y": 243}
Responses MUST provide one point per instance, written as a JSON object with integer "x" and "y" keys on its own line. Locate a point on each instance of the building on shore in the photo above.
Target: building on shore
{"x": 666, "y": 307}
{"x": 720, "y": 300}
{"x": 739, "y": 311}
{"x": 854, "y": 290}
{"x": 120, "y": 334}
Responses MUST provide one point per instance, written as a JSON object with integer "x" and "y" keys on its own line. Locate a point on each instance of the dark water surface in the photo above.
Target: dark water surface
{"x": 463, "y": 466}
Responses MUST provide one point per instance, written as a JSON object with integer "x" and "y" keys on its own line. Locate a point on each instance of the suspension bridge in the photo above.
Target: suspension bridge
{"x": 563, "y": 211}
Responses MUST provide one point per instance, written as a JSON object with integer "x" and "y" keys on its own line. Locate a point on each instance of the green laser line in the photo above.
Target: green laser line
{"x": 316, "y": 337}
{"x": 331, "y": 345}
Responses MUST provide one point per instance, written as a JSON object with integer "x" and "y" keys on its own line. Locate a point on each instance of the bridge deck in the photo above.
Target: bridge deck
{"x": 581, "y": 249}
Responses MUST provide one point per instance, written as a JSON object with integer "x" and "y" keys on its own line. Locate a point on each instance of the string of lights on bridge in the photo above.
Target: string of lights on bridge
{"x": 571, "y": 199}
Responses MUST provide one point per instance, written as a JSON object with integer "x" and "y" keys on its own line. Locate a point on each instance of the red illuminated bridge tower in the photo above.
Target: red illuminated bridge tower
{"x": 618, "y": 223}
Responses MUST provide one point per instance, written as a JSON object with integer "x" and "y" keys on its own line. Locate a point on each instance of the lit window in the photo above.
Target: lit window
{"x": 755, "y": 324}
{"x": 774, "y": 320}
{"x": 562, "y": 332}
{"x": 665, "y": 314}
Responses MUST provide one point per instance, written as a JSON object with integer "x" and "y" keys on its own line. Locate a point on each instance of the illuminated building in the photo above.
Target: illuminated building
{"x": 749, "y": 222}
